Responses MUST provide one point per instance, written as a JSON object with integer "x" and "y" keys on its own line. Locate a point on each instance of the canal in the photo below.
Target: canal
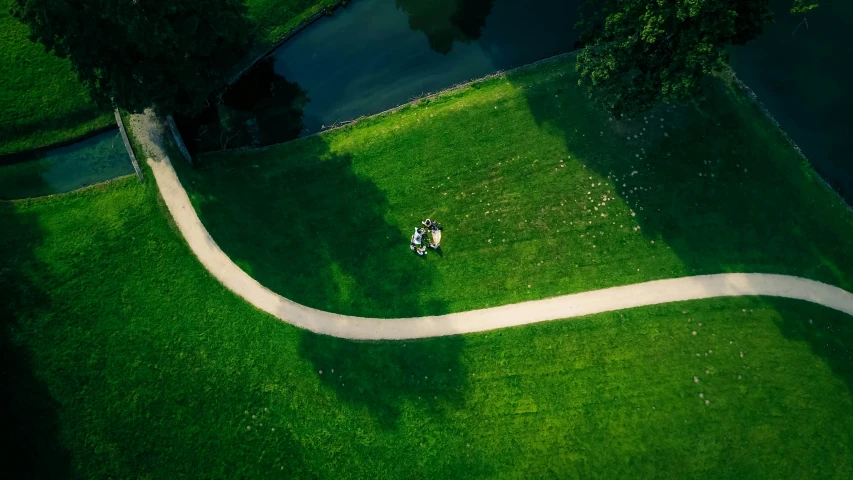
{"x": 373, "y": 55}
{"x": 63, "y": 169}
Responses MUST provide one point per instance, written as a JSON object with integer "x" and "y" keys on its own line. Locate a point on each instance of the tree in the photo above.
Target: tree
{"x": 638, "y": 52}
{"x": 166, "y": 54}
{"x": 804, "y": 6}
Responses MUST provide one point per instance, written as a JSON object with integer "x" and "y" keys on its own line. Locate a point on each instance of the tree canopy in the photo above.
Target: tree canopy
{"x": 166, "y": 54}
{"x": 640, "y": 51}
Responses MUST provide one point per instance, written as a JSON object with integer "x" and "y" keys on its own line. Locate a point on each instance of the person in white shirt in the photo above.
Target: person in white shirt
{"x": 415, "y": 243}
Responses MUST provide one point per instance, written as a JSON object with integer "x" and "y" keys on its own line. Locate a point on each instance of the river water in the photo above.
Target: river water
{"x": 376, "y": 54}
{"x": 373, "y": 55}
{"x": 63, "y": 169}
{"x": 801, "y": 72}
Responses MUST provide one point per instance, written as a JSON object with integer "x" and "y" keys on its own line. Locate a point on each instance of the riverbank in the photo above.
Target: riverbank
{"x": 277, "y": 22}
{"x": 42, "y": 104}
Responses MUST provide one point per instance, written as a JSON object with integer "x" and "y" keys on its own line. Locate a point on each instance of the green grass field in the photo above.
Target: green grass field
{"x": 123, "y": 358}
{"x": 41, "y": 101}
{"x": 539, "y": 195}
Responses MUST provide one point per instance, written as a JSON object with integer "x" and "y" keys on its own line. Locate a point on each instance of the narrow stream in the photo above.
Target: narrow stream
{"x": 63, "y": 169}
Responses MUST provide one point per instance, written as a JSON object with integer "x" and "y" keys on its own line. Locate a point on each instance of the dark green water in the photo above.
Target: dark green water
{"x": 96, "y": 159}
{"x": 804, "y": 79}
{"x": 373, "y": 55}
{"x": 376, "y": 54}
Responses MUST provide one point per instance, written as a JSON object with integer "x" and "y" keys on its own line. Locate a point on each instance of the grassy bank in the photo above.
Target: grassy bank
{"x": 539, "y": 195}
{"x": 276, "y": 19}
{"x": 123, "y": 358}
{"x": 41, "y": 102}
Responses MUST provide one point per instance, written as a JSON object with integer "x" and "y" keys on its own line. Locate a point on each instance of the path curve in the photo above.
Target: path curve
{"x": 566, "y": 306}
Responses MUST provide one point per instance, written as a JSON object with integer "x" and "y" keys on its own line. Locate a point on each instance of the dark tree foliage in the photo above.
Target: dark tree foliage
{"x": 638, "y": 52}
{"x": 166, "y": 54}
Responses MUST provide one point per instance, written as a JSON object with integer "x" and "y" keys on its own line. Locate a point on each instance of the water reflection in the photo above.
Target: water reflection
{"x": 262, "y": 108}
{"x": 447, "y": 21}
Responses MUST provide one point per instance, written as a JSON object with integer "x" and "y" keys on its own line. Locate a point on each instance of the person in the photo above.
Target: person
{"x": 415, "y": 243}
{"x": 435, "y": 232}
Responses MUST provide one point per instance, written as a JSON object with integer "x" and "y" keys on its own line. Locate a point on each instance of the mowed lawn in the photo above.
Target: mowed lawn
{"x": 123, "y": 358}
{"x": 539, "y": 196}
{"x": 41, "y": 100}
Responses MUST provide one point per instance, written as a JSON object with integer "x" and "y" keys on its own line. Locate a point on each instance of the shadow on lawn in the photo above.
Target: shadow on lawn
{"x": 312, "y": 231}
{"x": 30, "y": 426}
{"x": 315, "y": 232}
{"x": 381, "y": 375}
{"x": 683, "y": 190}
{"x": 700, "y": 168}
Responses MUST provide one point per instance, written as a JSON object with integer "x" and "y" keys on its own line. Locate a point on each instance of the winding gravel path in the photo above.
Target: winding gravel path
{"x": 566, "y": 306}
{"x": 151, "y": 134}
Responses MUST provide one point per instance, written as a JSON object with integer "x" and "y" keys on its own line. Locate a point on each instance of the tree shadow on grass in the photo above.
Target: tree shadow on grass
{"x": 140, "y": 413}
{"x": 381, "y": 376}
{"x": 79, "y": 115}
{"x": 32, "y": 447}
{"x": 709, "y": 182}
{"x": 315, "y": 232}
{"x": 312, "y": 231}
{"x": 830, "y": 334}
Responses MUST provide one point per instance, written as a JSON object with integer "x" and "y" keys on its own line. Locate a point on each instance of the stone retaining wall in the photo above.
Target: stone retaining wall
{"x": 129, "y": 148}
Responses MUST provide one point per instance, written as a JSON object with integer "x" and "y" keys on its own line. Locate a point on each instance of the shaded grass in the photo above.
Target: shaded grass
{"x": 276, "y": 19}
{"x": 149, "y": 368}
{"x": 539, "y": 194}
{"x": 41, "y": 102}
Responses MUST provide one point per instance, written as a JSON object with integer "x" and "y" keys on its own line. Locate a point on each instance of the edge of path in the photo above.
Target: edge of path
{"x": 150, "y": 134}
